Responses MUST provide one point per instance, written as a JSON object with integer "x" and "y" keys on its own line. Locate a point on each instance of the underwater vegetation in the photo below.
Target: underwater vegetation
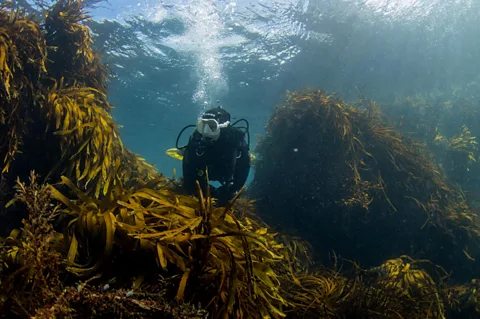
{"x": 448, "y": 124}
{"x": 96, "y": 213}
{"x": 53, "y": 103}
{"x": 344, "y": 178}
{"x": 91, "y": 230}
{"x": 138, "y": 267}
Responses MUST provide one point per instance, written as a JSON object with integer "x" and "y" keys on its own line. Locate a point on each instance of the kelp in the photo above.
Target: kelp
{"x": 463, "y": 142}
{"x": 92, "y": 151}
{"x": 70, "y": 48}
{"x": 87, "y": 134}
{"x": 22, "y": 62}
{"x": 77, "y": 105}
{"x": 463, "y": 300}
{"x": 447, "y": 123}
{"x": 404, "y": 280}
{"x": 399, "y": 288}
{"x": 210, "y": 256}
{"x": 54, "y": 109}
{"x": 204, "y": 254}
{"x": 34, "y": 282}
{"x": 343, "y": 176}
{"x": 111, "y": 236}
{"x": 148, "y": 252}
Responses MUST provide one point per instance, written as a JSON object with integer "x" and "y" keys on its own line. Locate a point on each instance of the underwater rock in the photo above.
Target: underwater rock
{"x": 339, "y": 177}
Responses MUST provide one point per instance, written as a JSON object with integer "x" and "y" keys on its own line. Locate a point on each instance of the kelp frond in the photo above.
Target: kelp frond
{"x": 464, "y": 300}
{"x": 464, "y": 142}
{"x": 88, "y": 136}
{"x": 399, "y": 288}
{"x": 401, "y": 276}
{"x": 91, "y": 149}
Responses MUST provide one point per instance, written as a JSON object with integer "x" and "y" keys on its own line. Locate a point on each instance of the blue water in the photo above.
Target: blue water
{"x": 172, "y": 59}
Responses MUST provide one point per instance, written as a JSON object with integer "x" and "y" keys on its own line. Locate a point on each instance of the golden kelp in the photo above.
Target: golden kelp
{"x": 463, "y": 301}
{"x": 403, "y": 278}
{"x": 34, "y": 283}
{"x": 200, "y": 253}
{"x": 234, "y": 267}
{"x": 399, "y": 288}
{"x": 62, "y": 115}
{"x": 88, "y": 136}
{"x": 211, "y": 256}
{"x": 463, "y": 142}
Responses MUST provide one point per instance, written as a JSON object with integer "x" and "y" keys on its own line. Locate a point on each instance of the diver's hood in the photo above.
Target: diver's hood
{"x": 210, "y": 128}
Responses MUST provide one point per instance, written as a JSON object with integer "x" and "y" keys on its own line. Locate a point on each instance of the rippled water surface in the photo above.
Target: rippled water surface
{"x": 173, "y": 59}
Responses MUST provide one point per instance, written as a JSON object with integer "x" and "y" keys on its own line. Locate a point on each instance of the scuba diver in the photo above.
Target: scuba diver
{"x": 216, "y": 151}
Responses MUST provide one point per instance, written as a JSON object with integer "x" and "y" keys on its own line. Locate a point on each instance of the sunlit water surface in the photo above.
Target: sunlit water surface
{"x": 173, "y": 59}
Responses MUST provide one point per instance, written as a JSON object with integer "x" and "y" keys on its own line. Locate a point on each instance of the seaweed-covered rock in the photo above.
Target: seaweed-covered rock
{"x": 341, "y": 178}
{"x": 54, "y": 115}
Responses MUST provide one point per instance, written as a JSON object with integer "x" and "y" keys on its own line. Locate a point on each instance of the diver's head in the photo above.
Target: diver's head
{"x": 212, "y": 121}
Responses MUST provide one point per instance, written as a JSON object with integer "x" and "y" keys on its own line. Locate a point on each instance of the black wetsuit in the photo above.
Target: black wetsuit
{"x": 227, "y": 160}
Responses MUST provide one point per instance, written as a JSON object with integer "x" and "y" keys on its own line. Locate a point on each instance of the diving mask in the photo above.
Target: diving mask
{"x": 210, "y": 127}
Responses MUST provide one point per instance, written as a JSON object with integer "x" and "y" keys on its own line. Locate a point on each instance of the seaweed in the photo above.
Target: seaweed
{"x": 105, "y": 234}
{"x": 463, "y": 300}
{"x": 185, "y": 252}
{"x": 447, "y": 123}
{"x": 350, "y": 178}
{"x": 209, "y": 255}
{"x": 62, "y": 114}
{"x": 70, "y": 51}
{"x": 34, "y": 277}
{"x": 30, "y": 264}
{"x": 22, "y": 56}
{"x": 399, "y": 288}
